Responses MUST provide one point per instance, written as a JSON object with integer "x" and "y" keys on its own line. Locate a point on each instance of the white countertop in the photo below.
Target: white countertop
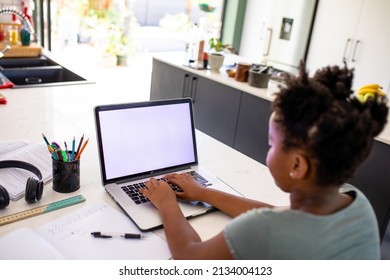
{"x": 178, "y": 60}
{"x": 66, "y": 111}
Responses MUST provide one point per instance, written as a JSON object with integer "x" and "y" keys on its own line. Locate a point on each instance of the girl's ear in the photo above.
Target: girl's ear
{"x": 301, "y": 166}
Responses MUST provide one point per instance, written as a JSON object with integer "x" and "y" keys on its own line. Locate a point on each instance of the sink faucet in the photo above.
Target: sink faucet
{"x": 22, "y": 16}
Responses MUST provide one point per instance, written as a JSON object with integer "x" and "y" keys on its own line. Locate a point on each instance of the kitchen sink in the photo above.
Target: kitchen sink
{"x": 40, "y": 75}
{"x": 25, "y": 62}
{"x": 37, "y": 72}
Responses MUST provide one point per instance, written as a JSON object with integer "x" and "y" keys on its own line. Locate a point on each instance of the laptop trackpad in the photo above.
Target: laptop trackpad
{"x": 147, "y": 217}
{"x": 193, "y": 209}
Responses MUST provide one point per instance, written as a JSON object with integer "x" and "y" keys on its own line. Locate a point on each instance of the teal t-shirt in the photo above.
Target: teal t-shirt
{"x": 351, "y": 233}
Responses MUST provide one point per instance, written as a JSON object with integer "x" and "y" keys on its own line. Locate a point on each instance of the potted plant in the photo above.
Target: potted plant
{"x": 216, "y": 56}
{"x": 122, "y": 29}
{"x": 121, "y": 46}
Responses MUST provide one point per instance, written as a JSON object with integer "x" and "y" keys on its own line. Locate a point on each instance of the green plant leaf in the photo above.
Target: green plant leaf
{"x": 215, "y": 43}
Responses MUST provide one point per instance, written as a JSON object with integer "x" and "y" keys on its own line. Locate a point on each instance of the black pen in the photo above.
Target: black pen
{"x": 99, "y": 234}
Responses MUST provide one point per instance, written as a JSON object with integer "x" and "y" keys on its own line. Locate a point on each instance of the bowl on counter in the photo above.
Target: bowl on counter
{"x": 231, "y": 72}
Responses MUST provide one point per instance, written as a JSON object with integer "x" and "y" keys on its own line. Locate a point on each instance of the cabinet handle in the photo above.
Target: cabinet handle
{"x": 193, "y": 88}
{"x": 185, "y": 86}
{"x": 346, "y": 49}
{"x": 268, "y": 44}
{"x": 355, "y": 51}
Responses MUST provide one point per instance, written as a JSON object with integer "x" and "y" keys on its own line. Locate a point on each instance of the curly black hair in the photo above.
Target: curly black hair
{"x": 322, "y": 116}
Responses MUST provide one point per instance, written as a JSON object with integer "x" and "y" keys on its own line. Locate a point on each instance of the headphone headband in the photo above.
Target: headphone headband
{"x": 21, "y": 165}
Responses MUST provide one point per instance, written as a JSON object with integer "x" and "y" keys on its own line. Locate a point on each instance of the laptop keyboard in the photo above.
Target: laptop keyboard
{"x": 133, "y": 190}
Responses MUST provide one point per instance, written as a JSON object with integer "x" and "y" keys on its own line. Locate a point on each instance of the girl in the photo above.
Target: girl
{"x": 319, "y": 133}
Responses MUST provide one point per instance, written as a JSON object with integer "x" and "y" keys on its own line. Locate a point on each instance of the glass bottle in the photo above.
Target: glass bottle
{"x": 13, "y": 34}
{"x": 25, "y": 36}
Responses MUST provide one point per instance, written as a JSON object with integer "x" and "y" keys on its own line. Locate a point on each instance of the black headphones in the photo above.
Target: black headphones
{"x": 34, "y": 187}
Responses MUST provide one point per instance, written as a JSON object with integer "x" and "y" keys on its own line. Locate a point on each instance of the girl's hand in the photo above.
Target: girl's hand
{"x": 159, "y": 193}
{"x": 191, "y": 189}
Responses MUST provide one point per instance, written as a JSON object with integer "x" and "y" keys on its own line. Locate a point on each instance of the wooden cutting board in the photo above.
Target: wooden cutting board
{"x": 33, "y": 50}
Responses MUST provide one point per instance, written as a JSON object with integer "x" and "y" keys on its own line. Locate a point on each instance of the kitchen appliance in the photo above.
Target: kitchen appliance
{"x": 277, "y": 32}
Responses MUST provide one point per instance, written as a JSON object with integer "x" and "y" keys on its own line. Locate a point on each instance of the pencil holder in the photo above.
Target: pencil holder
{"x": 66, "y": 176}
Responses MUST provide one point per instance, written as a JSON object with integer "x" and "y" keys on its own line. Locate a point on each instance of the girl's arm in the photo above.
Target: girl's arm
{"x": 230, "y": 204}
{"x": 183, "y": 241}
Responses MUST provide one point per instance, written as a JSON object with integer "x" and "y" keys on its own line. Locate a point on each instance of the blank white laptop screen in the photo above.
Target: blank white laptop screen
{"x": 138, "y": 140}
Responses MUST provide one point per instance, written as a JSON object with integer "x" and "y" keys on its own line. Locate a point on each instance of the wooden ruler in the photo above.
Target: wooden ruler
{"x": 41, "y": 210}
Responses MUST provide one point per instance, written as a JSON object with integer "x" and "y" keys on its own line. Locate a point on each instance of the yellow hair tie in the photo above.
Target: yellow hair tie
{"x": 369, "y": 91}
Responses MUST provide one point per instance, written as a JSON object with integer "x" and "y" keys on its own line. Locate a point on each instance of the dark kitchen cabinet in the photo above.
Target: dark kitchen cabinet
{"x": 215, "y": 105}
{"x": 252, "y": 127}
{"x": 167, "y": 81}
{"x": 373, "y": 179}
{"x": 216, "y": 109}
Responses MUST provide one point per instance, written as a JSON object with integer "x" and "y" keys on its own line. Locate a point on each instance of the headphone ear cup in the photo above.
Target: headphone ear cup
{"x": 34, "y": 190}
{"x": 4, "y": 197}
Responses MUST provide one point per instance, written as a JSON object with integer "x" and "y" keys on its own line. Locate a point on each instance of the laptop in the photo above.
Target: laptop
{"x": 141, "y": 140}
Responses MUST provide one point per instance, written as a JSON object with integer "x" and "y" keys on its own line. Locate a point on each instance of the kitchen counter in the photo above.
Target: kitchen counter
{"x": 65, "y": 111}
{"x": 178, "y": 59}
{"x": 72, "y": 102}
{"x": 238, "y": 115}
{"x": 112, "y": 85}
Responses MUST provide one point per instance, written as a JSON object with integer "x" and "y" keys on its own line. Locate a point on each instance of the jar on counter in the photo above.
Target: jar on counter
{"x": 242, "y": 72}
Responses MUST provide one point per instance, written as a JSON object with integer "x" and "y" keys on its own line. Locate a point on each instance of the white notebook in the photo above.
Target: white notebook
{"x": 69, "y": 237}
